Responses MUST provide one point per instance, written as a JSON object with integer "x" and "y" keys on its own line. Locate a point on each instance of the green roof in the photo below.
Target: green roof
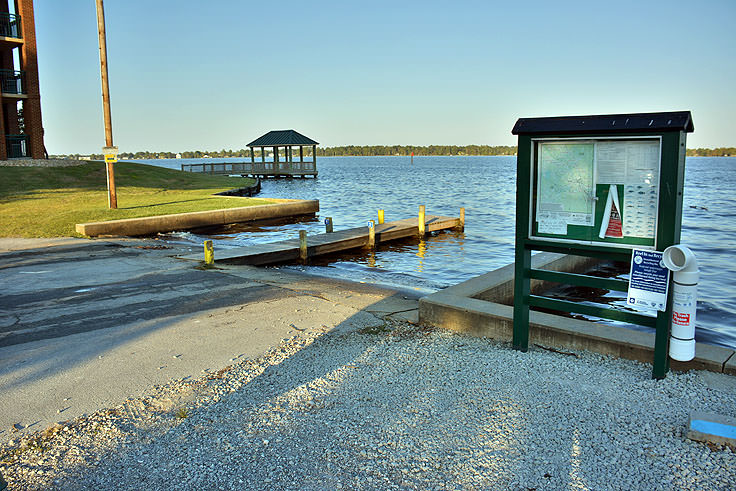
{"x": 282, "y": 137}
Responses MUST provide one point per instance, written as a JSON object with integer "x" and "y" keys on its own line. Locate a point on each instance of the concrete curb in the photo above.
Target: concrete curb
{"x": 480, "y": 307}
{"x": 184, "y": 221}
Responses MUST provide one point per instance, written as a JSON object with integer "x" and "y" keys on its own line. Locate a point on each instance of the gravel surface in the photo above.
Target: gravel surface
{"x": 393, "y": 407}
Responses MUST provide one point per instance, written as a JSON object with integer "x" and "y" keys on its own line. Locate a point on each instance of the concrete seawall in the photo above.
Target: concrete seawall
{"x": 482, "y": 306}
{"x": 282, "y": 208}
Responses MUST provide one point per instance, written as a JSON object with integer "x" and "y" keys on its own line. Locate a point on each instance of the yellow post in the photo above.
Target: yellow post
{"x": 328, "y": 225}
{"x": 461, "y": 224}
{"x": 380, "y": 217}
{"x": 421, "y": 220}
{"x": 209, "y": 253}
{"x": 371, "y": 234}
{"x": 303, "y": 245}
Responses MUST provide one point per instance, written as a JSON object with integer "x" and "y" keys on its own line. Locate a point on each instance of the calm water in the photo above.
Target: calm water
{"x": 351, "y": 189}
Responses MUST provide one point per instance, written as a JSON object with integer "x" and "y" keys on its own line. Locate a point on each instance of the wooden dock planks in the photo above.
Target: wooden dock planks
{"x": 341, "y": 240}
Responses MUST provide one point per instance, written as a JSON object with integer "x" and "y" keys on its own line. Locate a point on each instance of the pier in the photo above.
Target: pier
{"x": 255, "y": 169}
{"x": 316, "y": 245}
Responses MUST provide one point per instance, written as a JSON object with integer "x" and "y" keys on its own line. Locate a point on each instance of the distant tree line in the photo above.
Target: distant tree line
{"x": 712, "y": 152}
{"x": 375, "y": 150}
{"x": 370, "y": 151}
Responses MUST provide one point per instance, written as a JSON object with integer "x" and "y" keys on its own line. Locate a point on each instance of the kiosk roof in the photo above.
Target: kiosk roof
{"x": 610, "y": 123}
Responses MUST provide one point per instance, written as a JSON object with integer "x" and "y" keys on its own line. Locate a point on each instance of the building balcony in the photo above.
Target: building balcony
{"x": 10, "y": 26}
{"x": 18, "y": 146}
{"x": 12, "y": 83}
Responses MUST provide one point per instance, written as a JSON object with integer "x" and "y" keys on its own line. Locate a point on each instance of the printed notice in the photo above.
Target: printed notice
{"x": 551, "y": 223}
{"x": 635, "y": 165}
{"x": 566, "y": 188}
{"x": 648, "y": 281}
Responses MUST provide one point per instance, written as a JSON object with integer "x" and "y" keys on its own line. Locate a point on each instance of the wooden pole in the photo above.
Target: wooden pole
{"x": 461, "y": 224}
{"x": 303, "y": 245}
{"x": 328, "y": 225}
{"x": 380, "y": 217}
{"x": 112, "y": 198}
{"x": 421, "y": 220}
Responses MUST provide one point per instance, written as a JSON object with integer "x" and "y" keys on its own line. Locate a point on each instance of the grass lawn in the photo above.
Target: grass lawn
{"x": 49, "y": 201}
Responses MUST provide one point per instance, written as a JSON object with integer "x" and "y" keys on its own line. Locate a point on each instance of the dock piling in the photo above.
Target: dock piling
{"x": 371, "y": 234}
{"x": 209, "y": 253}
{"x": 461, "y": 220}
{"x": 421, "y": 223}
{"x": 380, "y": 217}
{"x": 303, "y": 245}
{"x": 328, "y": 225}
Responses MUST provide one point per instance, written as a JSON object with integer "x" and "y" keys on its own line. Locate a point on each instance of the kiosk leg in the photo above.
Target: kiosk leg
{"x": 661, "y": 364}
{"x": 522, "y": 285}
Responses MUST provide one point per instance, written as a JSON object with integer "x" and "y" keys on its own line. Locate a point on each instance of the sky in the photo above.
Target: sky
{"x": 188, "y": 75}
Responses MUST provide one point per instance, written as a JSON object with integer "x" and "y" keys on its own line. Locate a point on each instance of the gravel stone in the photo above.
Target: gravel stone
{"x": 405, "y": 407}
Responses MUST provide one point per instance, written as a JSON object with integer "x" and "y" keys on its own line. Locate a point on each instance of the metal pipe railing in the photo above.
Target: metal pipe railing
{"x": 10, "y": 26}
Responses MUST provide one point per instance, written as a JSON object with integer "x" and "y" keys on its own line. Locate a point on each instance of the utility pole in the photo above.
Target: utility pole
{"x": 112, "y": 198}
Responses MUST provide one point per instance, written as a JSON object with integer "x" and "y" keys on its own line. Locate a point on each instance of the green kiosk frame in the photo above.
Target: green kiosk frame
{"x": 569, "y": 171}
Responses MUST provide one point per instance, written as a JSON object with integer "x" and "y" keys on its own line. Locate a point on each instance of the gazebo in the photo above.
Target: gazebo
{"x": 287, "y": 139}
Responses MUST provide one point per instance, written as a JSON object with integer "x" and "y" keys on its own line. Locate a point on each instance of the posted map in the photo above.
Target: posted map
{"x": 566, "y": 188}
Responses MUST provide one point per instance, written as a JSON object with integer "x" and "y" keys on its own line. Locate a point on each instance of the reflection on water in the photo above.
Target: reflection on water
{"x": 353, "y": 189}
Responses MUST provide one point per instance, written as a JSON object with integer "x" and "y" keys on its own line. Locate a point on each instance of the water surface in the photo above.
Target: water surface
{"x": 352, "y": 189}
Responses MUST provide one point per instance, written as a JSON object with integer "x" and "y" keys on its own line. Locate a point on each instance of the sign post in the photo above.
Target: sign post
{"x": 607, "y": 187}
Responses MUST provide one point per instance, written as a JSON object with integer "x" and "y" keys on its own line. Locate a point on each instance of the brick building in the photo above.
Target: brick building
{"x": 21, "y": 130}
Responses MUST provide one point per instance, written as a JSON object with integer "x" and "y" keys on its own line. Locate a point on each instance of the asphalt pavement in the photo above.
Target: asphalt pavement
{"x": 86, "y": 324}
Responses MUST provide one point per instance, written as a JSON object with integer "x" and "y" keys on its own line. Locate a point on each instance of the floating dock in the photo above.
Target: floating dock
{"x": 327, "y": 243}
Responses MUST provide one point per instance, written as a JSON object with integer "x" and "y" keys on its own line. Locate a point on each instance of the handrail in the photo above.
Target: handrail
{"x": 18, "y": 146}
{"x": 251, "y": 167}
{"x": 10, "y": 26}
{"x": 12, "y": 81}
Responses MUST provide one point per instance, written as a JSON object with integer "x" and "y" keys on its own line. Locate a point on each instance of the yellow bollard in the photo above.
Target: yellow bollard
{"x": 380, "y": 217}
{"x": 421, "y": 222}
{"x": 371, "y": 234}
{"x": 209, "y": 253}
{"x": 461, "y": 224}
{"x": 303, "y": 245}
{"x": 328, "y": 225}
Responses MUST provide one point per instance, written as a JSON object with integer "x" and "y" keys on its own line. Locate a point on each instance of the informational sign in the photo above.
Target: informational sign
{"x": 597, "y": 191}
{"x": 648, "y": 281}
{"x": 566, "y": 187}
{"x": 111, "y": 154}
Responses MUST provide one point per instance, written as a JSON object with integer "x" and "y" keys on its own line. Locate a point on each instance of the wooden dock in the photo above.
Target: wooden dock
{"x": 341, "y": 240}
{"x": 254, "y": 169}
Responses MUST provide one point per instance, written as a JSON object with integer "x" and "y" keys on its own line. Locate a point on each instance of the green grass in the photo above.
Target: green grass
{"x": 49, "y": 201}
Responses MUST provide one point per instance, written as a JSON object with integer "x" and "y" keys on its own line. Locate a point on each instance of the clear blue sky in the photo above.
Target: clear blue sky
{"x": 190, "y": 75}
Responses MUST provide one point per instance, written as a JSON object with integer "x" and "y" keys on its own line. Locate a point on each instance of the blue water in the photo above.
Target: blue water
{"x": 351, "y": 189}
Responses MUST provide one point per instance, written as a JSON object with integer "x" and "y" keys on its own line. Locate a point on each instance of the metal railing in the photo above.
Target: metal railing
{"x": 18, "y": 146}
{"x": 12, "y": 82}
{"x": 257, "y": 168}
{"x": 10, "y": 26}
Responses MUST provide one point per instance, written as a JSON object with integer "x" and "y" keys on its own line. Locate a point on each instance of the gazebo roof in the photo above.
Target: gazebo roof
{"x": 282, "y": 137}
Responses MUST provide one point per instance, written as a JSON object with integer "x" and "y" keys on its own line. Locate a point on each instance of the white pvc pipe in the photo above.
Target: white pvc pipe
{"x": 685, "y": 276}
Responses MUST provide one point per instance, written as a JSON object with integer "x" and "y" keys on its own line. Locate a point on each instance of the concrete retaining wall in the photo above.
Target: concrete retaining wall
{"x": 184, "y": 221}
{"x": 481, "y": 306}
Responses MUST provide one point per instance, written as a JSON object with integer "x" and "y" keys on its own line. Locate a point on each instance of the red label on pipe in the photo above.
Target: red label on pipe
{"x": 680, "y": 318}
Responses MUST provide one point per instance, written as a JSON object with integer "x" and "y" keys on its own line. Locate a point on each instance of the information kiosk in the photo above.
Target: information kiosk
{"x": 597, "y": 186}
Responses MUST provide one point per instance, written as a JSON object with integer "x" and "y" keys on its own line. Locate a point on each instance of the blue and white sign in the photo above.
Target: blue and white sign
{"x": 648, "y": 281}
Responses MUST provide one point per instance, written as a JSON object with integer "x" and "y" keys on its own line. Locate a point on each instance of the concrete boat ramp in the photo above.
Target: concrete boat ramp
{"x": 320, "y": 244}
